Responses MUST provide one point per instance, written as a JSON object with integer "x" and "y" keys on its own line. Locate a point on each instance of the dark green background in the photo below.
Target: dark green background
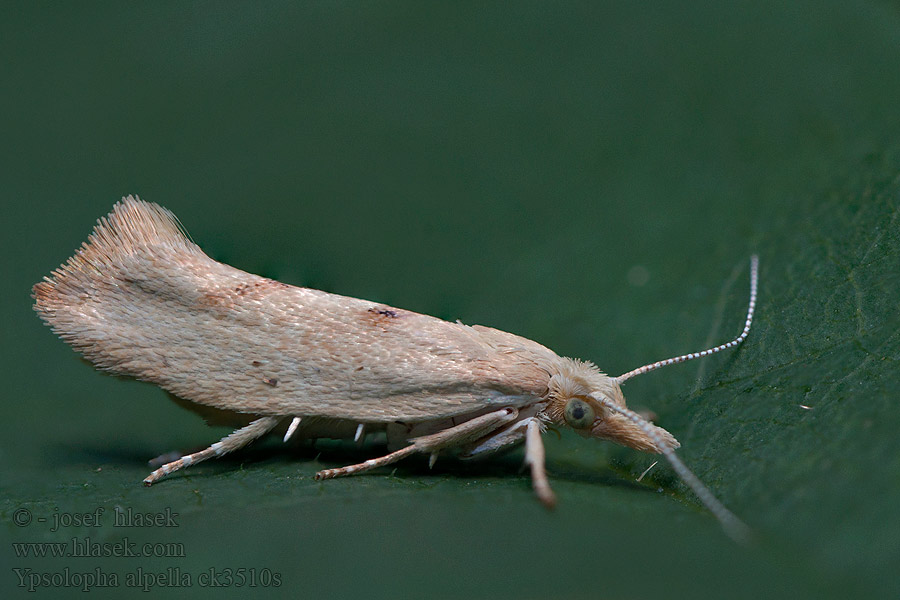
{"x": 505, "y": 165}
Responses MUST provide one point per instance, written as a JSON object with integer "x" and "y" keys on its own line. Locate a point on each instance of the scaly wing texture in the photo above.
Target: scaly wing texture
{"x": 140, "y": 299}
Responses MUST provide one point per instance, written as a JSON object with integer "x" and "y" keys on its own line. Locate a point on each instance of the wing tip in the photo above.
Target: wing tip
{"x": 131, "y": 224}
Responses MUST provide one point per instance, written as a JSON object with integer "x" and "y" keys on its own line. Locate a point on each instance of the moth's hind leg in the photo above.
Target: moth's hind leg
{"x": 458, "y": 435}
{"x": 229, "y": 443}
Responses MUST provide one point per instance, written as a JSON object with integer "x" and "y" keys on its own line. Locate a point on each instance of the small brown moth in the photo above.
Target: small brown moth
{"x": 139, "y": 298}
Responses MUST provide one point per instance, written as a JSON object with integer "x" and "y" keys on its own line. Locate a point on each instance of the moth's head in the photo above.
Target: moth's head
{"x": 583, "y": 399}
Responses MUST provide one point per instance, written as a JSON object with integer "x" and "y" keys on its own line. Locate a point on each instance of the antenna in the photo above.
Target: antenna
{"x": 754, "y": 277}
{"x": 730, "y": 523}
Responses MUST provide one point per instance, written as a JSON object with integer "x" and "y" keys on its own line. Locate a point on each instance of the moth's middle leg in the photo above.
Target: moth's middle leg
{"x": 458, "y": 435}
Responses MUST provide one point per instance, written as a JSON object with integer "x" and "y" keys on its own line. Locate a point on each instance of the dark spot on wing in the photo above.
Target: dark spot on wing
{"x": 385, "y": 317}
{"x": 259, "y": 286}
{"x": 229, "y": 297}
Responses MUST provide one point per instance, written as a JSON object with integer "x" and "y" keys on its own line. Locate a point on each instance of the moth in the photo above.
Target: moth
{"x": 140, "y": 299}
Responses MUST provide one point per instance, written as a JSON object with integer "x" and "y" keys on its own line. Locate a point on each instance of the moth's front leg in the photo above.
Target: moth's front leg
{"x": 534, "y": 458}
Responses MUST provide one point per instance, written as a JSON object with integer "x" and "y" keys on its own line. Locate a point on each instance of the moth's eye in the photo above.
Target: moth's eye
{"x": 579, "y": 414}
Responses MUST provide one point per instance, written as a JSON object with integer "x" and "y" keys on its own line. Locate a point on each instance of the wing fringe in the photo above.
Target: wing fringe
{"x": 131, "y": 225}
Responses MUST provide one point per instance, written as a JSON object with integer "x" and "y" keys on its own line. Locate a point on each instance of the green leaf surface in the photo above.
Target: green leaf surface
{"x": 593, "y": 176}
